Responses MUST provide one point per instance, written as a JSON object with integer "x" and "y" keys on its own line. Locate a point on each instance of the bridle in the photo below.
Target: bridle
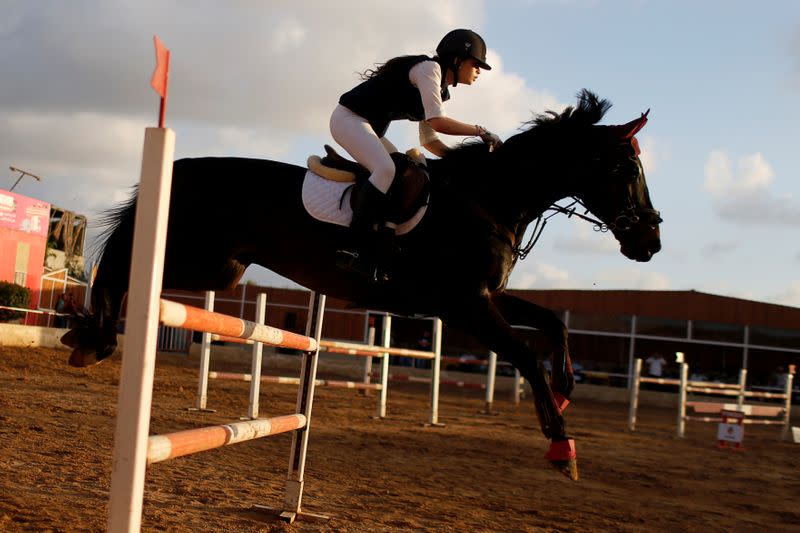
{"x": 628, "y": 217}
{"x": 625, "y": 220}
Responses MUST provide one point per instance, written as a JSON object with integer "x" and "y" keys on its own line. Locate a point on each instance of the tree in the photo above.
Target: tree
{"x": 13, "y": 295}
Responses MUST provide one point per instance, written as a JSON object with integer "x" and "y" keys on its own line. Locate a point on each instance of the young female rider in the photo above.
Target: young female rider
{"x": 406, "y": 87}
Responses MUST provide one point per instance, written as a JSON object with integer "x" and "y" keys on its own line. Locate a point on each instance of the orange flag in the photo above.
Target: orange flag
{"x": 161, "y": 73}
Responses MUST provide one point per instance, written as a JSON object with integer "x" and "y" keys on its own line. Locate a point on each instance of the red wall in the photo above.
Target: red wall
{"x": 26, "y": 220}
{"x": 8, "y": 259}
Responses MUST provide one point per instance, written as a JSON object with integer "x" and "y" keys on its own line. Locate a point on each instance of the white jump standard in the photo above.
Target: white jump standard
{"x": 133, "y": 447}
{"x": 753, "y": 414}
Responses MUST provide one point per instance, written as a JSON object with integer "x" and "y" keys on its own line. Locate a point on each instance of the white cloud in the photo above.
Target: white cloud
{"x": 584, "y": 240}
{"x": 500, "y": 100}
{"x": 743, "y": 193}
{"x": 753, "y": 175}
{"x": 86, "y": 160}
{"x": 789, "y": 296}
{"x": 540, "y": 276}
{"x": 654, "y": 152}
{"x": 719, "y": 248}
{"x": 75, "y": 96}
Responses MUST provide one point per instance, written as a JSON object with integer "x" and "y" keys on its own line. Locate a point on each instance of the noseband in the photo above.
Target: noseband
{"x": 627, "y": 218}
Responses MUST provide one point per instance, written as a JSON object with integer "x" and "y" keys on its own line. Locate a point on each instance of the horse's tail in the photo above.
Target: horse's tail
{"x": 111, "y": 220}
{"x": 94, "y": 335}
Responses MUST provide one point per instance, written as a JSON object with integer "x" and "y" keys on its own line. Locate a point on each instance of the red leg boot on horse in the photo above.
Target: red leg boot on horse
{"x": 549, "y": 408}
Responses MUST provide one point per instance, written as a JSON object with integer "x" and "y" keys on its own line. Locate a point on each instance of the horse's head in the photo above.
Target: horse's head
{"x": 614, "y": 189}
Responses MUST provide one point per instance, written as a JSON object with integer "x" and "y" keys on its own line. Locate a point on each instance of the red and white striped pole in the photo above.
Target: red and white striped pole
{"x": 171, "y": 445}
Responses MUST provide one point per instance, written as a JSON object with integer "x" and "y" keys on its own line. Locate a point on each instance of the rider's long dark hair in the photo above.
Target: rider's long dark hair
{"x": 393, "y": 64}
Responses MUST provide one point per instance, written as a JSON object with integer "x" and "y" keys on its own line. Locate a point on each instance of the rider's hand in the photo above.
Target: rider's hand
{"x": 489, "y": 138}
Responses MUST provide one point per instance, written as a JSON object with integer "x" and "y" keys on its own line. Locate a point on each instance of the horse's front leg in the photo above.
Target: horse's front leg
{"x": 482, "y": 318}
{"x": 521, "y": 312}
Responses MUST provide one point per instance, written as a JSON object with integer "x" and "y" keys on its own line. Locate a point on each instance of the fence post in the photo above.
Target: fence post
{"x": 387, "y": 341}
{"x": 742, "y": 385}
{"x": 305, "y": 400}
{"x": 138, "y": 366}
{"x": 491, "y": 372}
{"x": 255, "y": 366}
{"x": 634, "y": 403}
{"x": 368, "y": 360}
{"x": 436, "y": 367}
{"x": 684, "y": 370}
{"x": 205, "y": 361}
{"x": 517, "y": 392}
{"x": 788, "y": 403}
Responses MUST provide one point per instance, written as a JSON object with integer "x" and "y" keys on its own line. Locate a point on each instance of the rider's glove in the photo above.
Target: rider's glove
{"x": 489, "y": 138}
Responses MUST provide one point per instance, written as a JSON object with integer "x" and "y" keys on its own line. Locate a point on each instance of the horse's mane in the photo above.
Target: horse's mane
{"x": 470, "y": 162}
{"x": 589, "y": 110}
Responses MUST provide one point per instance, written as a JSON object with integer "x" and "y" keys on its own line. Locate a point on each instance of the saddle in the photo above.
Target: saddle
{"x": 410, "y": 189}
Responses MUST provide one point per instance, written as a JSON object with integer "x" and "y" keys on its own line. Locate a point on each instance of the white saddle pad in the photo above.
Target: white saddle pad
{"x": 321, "y": 199}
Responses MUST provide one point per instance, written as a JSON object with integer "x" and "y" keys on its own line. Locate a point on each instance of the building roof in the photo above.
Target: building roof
{"x": 678, "y": 305}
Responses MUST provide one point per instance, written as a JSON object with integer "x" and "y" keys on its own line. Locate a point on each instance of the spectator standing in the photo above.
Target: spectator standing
{"x": 60, "y": 321}
{"x": 655, "y": 365}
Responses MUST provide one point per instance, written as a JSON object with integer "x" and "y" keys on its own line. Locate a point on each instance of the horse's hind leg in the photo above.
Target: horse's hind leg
{"x": 95, "y": 336}
{"x": 214, "y": 272}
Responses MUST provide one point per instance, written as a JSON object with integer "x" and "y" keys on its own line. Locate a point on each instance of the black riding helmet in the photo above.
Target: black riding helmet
{"x": 461, "y": 44}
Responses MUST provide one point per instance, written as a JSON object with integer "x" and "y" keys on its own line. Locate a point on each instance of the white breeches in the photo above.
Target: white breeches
{"x": 353, "y": 133}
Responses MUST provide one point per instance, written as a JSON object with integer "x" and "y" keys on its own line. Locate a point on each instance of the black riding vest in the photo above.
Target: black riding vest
{"x": 389, "y": 96}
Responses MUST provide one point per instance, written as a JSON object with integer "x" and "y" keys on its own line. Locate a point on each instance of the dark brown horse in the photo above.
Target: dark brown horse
{"x": 228, "y": 213}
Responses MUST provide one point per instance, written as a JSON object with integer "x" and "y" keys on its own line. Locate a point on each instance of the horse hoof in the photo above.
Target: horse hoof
{"x": 70, "y": 338}
{"x": 569, "y": 468}
{"x": 562, "y": 457}
{"x": 82, "y": 358}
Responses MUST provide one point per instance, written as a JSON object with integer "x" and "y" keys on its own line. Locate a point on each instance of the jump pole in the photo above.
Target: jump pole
{"x": 172, "y": 445}
{"x": 284, "y": 380}
{"x": 138, "y": 365}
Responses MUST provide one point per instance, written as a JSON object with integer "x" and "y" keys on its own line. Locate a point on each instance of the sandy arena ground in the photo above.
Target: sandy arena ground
{"x": 479, "y": 473}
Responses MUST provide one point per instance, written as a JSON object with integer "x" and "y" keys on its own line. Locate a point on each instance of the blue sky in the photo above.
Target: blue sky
{"x": 260, "y": 79}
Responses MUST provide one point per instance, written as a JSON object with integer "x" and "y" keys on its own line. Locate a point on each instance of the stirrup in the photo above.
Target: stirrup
{"x": 351, "y": 261}
{"x": 380, "y": 276}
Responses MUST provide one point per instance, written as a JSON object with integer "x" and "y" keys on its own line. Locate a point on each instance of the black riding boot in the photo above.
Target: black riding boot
{"x": 386, "y": 252}
{"x": 369, "y": 231}
{"x": 369, "y": 209}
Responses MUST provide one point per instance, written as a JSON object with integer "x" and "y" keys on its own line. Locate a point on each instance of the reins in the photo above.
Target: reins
{"x": 622, "y": 222}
